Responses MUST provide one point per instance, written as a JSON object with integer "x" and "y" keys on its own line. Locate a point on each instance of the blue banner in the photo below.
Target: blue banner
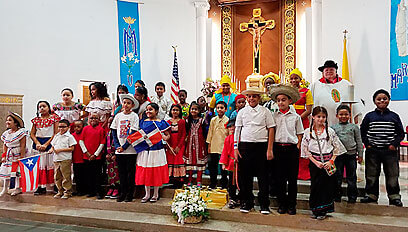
{"x": 129, "y": 44}
{"x": 399, "y": 50}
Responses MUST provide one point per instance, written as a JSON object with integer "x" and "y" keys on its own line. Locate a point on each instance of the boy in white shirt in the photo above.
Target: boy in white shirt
{"x": 62, "y": 146}
{"x": 163, "y": 102}
{"x": 288, "y": 137}
{"x": 124, "y": 124}
{"x": 253, "y": 144}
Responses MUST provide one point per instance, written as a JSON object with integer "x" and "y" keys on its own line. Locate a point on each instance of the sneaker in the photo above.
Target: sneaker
{"x": 39, "y": 191}
{"x": 91, "y": 195}
{"x": 265, "y": 210}
{"x": 115, "y": 194}
{"x": 232, "y": 204}
{"x": 58, "y": 195}
{"x": 245, "y": 208}
{"x": 321, "y": 217}
{"x": 109, "y": 194}
{"x": 368, "y": 200}
{"x": 396, "y": 202}
{"x": 189, "y": 184}
{"x": 199, "y": 185}
{"x": 121, "y": 198}
{"x": 351, "y": 200}
{"x": 16, "y": 191}
{"x": 66, "y": 196}
{"x": 100, "y": 196}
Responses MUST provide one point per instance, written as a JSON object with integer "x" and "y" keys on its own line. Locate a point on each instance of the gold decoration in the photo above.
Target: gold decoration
{"x": 289, "y": 38}
{"x": 226, "y": 20}
{"x": 129, "y": 20}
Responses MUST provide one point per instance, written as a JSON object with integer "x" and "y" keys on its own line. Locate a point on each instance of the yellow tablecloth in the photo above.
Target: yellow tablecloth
{"x": 218, "y": 198}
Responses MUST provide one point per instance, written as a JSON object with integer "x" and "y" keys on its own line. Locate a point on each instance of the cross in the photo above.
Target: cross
{"x": 257, "y": 25}
{"x": 345, "y": 33}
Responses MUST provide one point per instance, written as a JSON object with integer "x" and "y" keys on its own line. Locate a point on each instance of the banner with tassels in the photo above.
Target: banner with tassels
{"x": 129, "y": 44}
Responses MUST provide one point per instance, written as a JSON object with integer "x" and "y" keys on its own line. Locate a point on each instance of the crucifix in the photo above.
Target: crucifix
{"x": 257, "y": 25}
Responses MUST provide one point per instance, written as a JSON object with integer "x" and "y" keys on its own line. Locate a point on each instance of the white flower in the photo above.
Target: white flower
{"x": 130, "y": 55}
{"x": 123, "y": 59}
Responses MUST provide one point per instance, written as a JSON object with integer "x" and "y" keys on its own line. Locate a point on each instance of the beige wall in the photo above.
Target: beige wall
{"x": 9, "y": 102}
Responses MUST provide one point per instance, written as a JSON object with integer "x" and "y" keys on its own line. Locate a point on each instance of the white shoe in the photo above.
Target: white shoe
{"x": 2, "y": 193}
{"x": 16, "y": 192}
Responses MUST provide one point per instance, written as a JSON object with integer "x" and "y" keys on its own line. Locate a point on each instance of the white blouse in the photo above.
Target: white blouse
{"x": 333, "y": 145}
{"x": 102, "y": 107}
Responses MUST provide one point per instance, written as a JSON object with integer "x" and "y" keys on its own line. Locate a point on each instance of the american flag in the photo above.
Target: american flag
{"x": 175, "y": 80}
{"x": 29, "y": 168}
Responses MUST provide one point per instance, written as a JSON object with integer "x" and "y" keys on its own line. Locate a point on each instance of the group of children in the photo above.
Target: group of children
{"x": 96, "y": 140}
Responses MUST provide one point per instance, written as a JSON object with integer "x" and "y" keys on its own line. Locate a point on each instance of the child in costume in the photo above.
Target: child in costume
{"x": 177, "y": 144}
{"x": 185, "y": 107}
{"x": 228, "y": 163}
{"x": 68, "y": 109}
{"x": 215, "y": 139}
{"x": 123, "y": 124}
{"x": 14, "y": 148}
{"x": 321, "y": 144}
{"x": 195, "y": 156}
{"x": 288, "y": 137}
{"x": 100, "y": 103}
{"x": 152, "y": 169}
{"x": 163, "y": 102}
{"x": 42, "y": 132}
{"x": 240, "y": 101}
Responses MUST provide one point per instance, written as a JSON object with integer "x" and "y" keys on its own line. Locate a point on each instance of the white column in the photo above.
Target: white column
{"x": 202, "y": 8}
{"x": 316, "y": 38}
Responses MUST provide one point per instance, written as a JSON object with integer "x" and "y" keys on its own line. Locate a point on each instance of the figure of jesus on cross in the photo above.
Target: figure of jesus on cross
{"x": 256, "y": 26}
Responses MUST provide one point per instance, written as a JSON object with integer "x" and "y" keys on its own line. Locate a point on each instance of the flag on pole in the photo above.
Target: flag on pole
{"x": 345, "y": 69}
{"x": 145, "y": 138}
{"x": 29, "y": 168}
{"x": 175, "y": 80}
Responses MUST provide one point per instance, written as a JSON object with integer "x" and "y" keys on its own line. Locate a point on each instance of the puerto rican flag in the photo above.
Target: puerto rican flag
{"x": 145, "y": 138}
{"x": 29, "y": 168}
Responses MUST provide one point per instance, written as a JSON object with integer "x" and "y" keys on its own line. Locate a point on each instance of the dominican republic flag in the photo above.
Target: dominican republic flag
{"x": 29, "y": 168}
{"x": 145, "y": 138}
{"x": 175, "y": 80}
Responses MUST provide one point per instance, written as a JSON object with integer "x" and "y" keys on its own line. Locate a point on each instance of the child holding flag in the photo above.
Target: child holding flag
{"x": 14, "y": 147}
{"x": 151, "y": 168}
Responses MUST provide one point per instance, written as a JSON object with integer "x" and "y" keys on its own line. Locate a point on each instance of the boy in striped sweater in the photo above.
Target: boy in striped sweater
{"x": 381, "y": 132}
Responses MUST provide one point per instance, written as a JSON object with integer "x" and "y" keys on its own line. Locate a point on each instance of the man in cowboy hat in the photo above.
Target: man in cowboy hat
{"x": 253, "y": 144}
{"x": 331, "y": 90}
{"x": 224, "y": 94}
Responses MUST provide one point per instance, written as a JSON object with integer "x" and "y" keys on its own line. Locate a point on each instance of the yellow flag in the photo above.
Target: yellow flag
{"x": 345, "y": 70}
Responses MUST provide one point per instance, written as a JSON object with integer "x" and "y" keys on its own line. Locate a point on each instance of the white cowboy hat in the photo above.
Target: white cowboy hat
{"x": 130, "y": 97}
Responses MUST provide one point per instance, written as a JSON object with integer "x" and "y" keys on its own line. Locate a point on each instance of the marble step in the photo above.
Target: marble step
{"x": 121, "y": 220}
{"x": 157, "y": 217}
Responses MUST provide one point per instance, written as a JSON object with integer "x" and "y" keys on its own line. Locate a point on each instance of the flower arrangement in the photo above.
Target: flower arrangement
{"x": 189, "y": 207}
{"x": 209, "y": 87}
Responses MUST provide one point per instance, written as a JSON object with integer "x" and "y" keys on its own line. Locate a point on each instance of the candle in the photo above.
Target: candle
{"x": 351, "y": 92}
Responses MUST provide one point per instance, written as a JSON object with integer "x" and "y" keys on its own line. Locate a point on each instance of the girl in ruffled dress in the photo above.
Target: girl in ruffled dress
{"x": 100, "y": 103}
{"x": 14, "y": 147}
{"x": 68, "y": 109}
{"x": 42, "y": 132}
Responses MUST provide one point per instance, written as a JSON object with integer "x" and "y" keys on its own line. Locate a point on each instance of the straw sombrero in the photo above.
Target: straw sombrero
{"x": 130, "y": 97}
{"x": 289, "y": 91}
{"x": 17, "y": 117}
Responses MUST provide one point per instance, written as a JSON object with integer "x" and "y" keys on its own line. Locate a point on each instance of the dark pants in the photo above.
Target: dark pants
{"x": 253, "y": 163}
{"x": 272, "y": 178}
{"x": 374, "y": 158}
{"x": 286, "y": 173}
{"x": 213, "y": 164}
{"x": 127, "y": 169}
{"x": 350, "y": 163}
{"x": 232, "y": 189}
{"x": 93, "y": 176}
{"x": 80, "y": 177}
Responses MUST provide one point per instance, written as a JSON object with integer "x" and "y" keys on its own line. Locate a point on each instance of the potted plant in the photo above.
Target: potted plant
{"x": 189, "y": 207}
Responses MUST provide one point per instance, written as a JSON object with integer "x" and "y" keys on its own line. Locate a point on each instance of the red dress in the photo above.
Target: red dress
{"x": 177, "y": 139}
{"x": 195, "y": 156}
{"x": 300, "y": 107}
{"x": 228, "y": 156}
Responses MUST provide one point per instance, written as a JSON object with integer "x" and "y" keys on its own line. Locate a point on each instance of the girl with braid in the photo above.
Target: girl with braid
{"x": 321, "y": 145}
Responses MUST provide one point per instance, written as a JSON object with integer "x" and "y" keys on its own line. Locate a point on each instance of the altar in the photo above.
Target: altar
{"x": 258, "y": 37}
